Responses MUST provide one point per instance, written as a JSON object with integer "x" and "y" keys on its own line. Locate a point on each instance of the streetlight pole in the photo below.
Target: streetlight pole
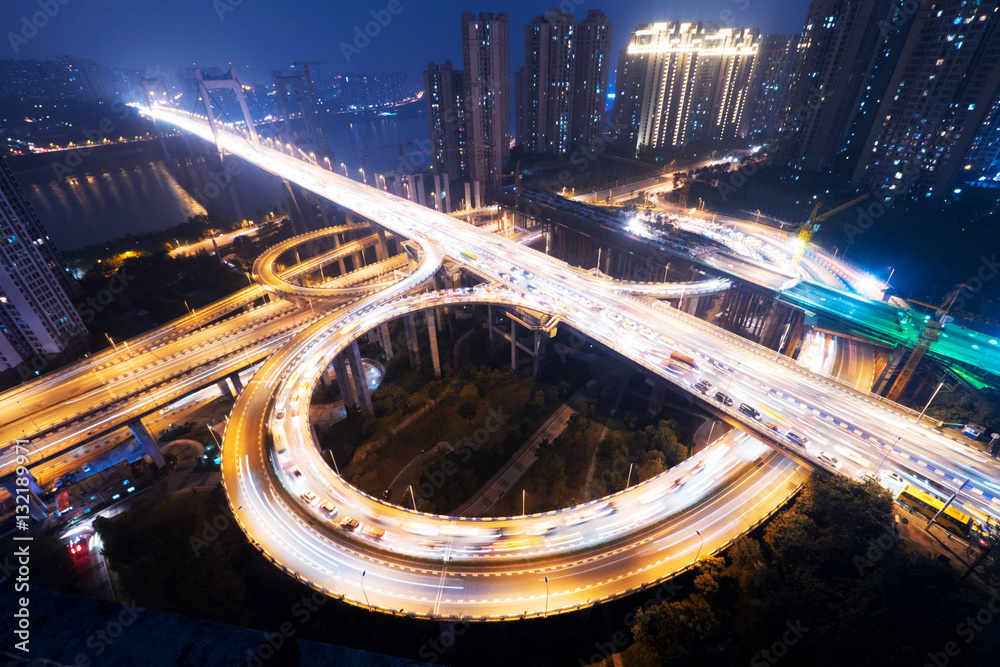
{"x": 410, "y": 487}
{"x": 629, "y": 478}
{"x": 546, "y": 598}
{"x": 113, "y": 346}
{"x": 929, "y": 402}
{"x": 363, "y": 176}
{"x": 363, "y": 573}
{"x": 27, "y": 415}
{"x": 698, "y": 555}
{"x": 345, "y": 170}
{"x": 524, "y": 495}
{"x": 730, "y": 383}
{"x": 887, "y": 454}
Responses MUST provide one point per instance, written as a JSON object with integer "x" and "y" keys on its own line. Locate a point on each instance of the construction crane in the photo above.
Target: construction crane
{"x": 927, "y": 337}
{"x": 811, "y": 226}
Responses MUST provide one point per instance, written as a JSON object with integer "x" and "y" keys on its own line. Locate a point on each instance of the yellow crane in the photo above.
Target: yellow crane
{"x": 811, "y": 226}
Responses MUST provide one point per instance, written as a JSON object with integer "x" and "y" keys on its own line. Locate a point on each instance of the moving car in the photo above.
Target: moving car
{"x": 329, "y": 508}
{"x": 750, "y": 410}
{"x": 797, "y": 439}
{"x": 772, "y": 426}
{"x": 349, "y": 524}
{"x": 309, "y": 497}
{"x": 830, "y": 460}
{"x": 723, "y": 398}
{"x": 374, "y": 532}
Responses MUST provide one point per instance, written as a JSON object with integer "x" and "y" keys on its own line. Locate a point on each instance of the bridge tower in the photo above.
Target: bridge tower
{"x": 227, "y": 81}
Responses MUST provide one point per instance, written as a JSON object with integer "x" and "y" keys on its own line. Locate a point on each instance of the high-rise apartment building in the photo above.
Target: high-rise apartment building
{"x": 769, "y": 87}
{"x": 36, "y": 315}
{"x": 590, "y": 88}
{"x": 839, "y": 51}
{"x": 545, "y": 84}
{"x": 444, "y": 92}
{"x": 562, "y": 88}
{"x": 940, "y": 97}
{"x": 984, "y": 156}
{"x": 486, "y": 59}
{"x": 682, "y": 82}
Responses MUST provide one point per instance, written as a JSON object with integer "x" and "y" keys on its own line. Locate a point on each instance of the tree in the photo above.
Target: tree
{"x": 467, "y": 410}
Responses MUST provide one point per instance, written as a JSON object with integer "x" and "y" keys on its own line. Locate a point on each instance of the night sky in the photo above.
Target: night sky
{"x": 261, "y": 35}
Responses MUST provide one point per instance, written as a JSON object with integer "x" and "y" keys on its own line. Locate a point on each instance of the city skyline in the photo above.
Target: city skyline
{"x": 105, "y": 36}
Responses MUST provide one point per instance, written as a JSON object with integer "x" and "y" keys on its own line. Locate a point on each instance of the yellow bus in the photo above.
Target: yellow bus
{"x": 927, "y": 505}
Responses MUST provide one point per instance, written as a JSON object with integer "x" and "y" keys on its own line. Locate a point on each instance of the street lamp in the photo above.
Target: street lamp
{"x": 887, "y": 454}
{"x": 412, "y": 498}
{"x": 730, "y": 384}
{"x": 113, "y": 346}
{"x": 523, "y": 497}
{"x": 629, "y": 478}
{"x": 546, "y": 613}
{"x": 698, "y": 555}
{"x": 345, "y": 170}
{"x": 363, "y": 573}
{"x": 929, "y": 402}
{"x": 27, "y": 415}
{"x": 363, "y": 176}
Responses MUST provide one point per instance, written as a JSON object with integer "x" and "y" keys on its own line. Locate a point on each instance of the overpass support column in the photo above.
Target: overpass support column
{"x": 223, "y": 385}
{"x": 360, "y": 378}
{"x": 656, "y": 397}
{"x": 13, "y": 485}
{"x": 513, "y": 345}
{"x": 691, "y": 305}
{"x": 346, "y": 387}
{"x": 489, "y": 322}
{"x": 146, "y": 441}
{"x": 382, "y": 247}
{"x": 432, "y": 333}
{"x": 411, "y": 340}
{"x": 385, "y": 340}
{"x": 237, "y": 383}
{"x": 538, "y": 352}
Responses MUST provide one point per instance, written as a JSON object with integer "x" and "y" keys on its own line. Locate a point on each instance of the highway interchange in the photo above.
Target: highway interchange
{"x": 404, "y": 562}
{"x": 848, "y": 430}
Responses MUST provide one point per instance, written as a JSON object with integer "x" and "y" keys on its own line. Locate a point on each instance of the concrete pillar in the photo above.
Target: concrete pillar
{"x": 432, "y": 333}
{"x": 468, "y": 195}
{"x": 344, "y": 383}
{"x": 437, "y": 192}
{"x": 382, "y": 249}
{"x": 371, "y": 335}
{"x": 691, "y": 305}
{"x": 656, "y": 397}
{"x": 237, "y": 383}
{"x": 146, "y": 441}
{"x": 479, "y": 194}
{"x": 489, "y": 320}
{"x": 397, "y": 184}
{"x": 411, "y": 188}
{"x": 337, "y": 242}
{"x": 513, "y": 345}
{"x": 421, "y": 190}
{"x": 411, "y": 341}
{"x": 360, "y": 377}
{"x": 538, "y": 352}
{"x": 385, "y": 340}
{"x": 329, "y": 374}
{"x": 223, "y": 385}
{"x": 447, "y": 193}
{"x": 37, "y": 509}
